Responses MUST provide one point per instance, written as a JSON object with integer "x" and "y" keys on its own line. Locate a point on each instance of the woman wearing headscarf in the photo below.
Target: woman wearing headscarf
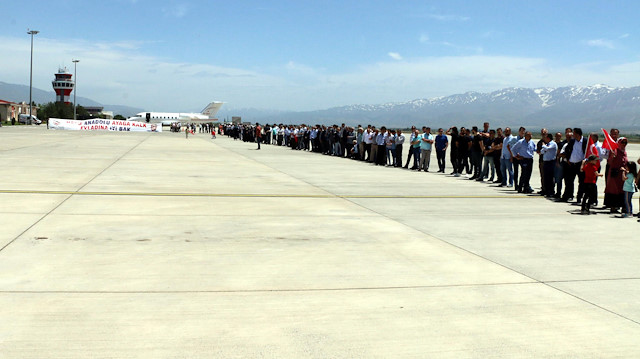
{"x": 613, "y": 192}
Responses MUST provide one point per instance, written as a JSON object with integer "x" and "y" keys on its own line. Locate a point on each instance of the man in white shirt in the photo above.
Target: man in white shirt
{"x": 366, "y": 139}
{"x": 381, "y": 139}
{"x": 280, "y": 135}
{"x": 425, "y": 149}
{"x": 399, "y": 144}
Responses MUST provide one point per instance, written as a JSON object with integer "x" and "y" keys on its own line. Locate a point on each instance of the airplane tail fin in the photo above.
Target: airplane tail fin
{"x": 212, "y": 109}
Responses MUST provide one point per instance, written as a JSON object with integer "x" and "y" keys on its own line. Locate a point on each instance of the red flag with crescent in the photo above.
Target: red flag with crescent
{"x": 609, "y": 143}
{"x": 591, "y": 149}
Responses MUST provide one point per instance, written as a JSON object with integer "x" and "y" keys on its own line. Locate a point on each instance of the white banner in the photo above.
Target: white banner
{"x": 99, "y": 124}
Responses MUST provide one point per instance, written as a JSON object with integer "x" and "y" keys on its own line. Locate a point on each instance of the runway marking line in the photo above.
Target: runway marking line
{"x": 251, "y": 195}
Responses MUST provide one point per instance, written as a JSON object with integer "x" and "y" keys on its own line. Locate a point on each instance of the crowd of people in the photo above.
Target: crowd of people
{"x": 494, "y": 155}
{"x": 192, "y": 127}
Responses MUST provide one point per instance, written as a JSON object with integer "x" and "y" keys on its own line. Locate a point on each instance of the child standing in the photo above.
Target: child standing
{"x": 629, "y": 175}
{"x": 590, "y": 168}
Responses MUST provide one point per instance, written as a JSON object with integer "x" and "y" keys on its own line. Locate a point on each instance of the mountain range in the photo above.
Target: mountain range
{"x": 590, "y": 107}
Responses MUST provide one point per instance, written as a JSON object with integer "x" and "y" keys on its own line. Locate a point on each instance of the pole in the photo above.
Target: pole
{"x": 31, "y": 32}
{"x": 75, "y": 88}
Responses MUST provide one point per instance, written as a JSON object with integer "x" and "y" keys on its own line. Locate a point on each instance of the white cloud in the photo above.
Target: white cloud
{"x": 299, "y": 69}
{"x": 424, "y": 38}
{"x": 395, "y": 56}
{"x": 448, "y": 17}
{"x": 490, "y": 34}
{"x": 177, "y": 10}
{"x": 474, "y": 49}
{"x": 607, "y": 44}
{"x": 441, "y": 76}
{"x": 113, "y": 73}
{"x": 623, "y": 36}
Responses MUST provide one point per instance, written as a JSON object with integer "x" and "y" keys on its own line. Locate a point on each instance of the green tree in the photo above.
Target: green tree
{"x": 61, "y": 110}
{"x": 81, "y": 112}
{"x": 55, "y": 110}
{"x": 119, "y": 117}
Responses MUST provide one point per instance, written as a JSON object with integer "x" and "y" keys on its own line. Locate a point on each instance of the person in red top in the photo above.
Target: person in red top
{"x": 590, "y": 167}
{"x": 258, "y": 134}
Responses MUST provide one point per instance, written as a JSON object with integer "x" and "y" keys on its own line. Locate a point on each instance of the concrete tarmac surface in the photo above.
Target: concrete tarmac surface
{"x": 150, "y": 245}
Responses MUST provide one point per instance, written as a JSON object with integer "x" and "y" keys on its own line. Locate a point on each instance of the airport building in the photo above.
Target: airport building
{"x": 12, "y": 110}
{"x": 63, "y": 85}
{"x": 97, "y": 111}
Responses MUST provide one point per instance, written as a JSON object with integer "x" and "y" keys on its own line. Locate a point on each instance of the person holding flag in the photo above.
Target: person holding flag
{"x": 593, "y": 150}
{"x": 590, "y": 168}
{"x": 609, "y": 145}
{"x": 610, "y": 140}
{"x": 613, "y": 193}
{"x": 591, "y": 147}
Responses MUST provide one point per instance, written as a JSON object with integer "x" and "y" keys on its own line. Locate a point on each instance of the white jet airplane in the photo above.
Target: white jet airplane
{"x": 167, "y": 118}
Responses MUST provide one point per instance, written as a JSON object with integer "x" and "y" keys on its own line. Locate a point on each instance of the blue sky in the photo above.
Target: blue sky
{"x": 168, "y": 55}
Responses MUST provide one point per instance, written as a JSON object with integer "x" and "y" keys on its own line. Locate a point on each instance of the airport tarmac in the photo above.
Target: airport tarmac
{"x": 150, "y": 245}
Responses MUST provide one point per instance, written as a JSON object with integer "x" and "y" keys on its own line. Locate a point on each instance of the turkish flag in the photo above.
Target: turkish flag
{"x": 609, "y": 143}
{"x": 591, "y": 149}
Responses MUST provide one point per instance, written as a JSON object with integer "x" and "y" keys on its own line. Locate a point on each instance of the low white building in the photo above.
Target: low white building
{"x": 11, "y": 110}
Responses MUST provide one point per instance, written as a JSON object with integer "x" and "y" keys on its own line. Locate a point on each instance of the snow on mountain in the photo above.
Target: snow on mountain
{"x": 563, "y": 106}
{"x": 543, "y": 97}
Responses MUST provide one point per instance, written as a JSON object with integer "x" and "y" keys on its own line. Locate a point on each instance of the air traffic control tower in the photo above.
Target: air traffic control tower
{"x": 63, "y": 85}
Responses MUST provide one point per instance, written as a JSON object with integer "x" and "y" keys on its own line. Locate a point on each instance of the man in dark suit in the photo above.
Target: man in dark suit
{"x": 574, "y": 154}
